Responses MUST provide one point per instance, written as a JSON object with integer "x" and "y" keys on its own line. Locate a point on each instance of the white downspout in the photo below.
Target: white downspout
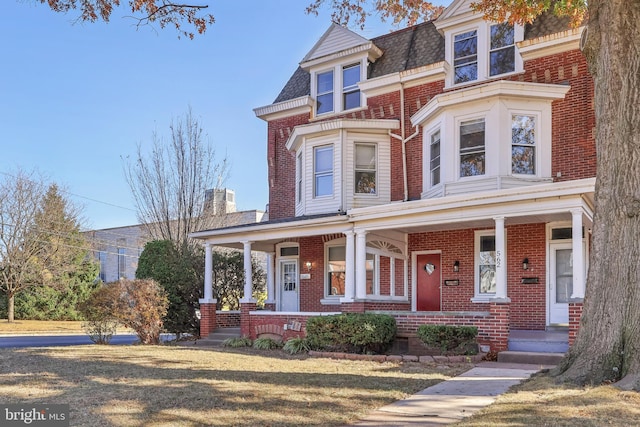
{"x": 404, "y": 141}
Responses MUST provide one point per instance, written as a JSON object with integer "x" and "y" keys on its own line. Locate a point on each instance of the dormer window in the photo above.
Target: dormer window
{"x": 324, "y": 99}
{"x": 502, "y": 50}
{"x": 350, "y": 90}
{"x": 465, "y": 57}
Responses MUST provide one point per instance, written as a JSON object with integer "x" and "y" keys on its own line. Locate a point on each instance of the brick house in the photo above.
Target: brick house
{"x": 443, "y": 173}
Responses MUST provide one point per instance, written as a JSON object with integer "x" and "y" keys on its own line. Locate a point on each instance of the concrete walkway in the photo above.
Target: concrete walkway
{"x": 452, "y": 400}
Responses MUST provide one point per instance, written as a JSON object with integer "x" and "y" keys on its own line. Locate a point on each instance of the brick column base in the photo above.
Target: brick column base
{"x": 245, "y": 318}
{"x": 352, "y": 307}
{"x": 575, "y": 314}
{"x": 207, "y": 318}
{"x": 271, "y": 306}
{"x": 500, "y": 312}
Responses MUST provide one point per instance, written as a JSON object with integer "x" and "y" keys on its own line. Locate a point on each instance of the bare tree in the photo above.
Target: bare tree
{"x": 169, "y": 184}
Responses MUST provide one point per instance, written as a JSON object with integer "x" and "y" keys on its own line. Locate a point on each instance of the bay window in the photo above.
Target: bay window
{"x": 434, "y": 158}
{"x": 523, "y": 144}
{"x": 472, "y": 148}
{"x": 365, "y": 168}
{"x": 323, "y": 171}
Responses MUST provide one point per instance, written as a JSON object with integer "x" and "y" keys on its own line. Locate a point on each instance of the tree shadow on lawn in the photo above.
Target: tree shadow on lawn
{"x": 180, "y": 386}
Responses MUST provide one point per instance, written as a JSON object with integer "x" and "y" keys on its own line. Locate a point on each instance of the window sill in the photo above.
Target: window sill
{"x": 483, "y": 299}
{"x": 331, "y": 300}
{"x": 482, "y": 80}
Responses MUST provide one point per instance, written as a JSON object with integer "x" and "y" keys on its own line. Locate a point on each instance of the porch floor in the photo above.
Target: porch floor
{"x": 550, "y": 341}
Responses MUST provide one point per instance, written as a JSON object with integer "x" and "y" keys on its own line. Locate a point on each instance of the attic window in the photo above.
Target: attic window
{"x": 502, "y": 51}
{"x": 325, "y": 92}
{"x": 350, "y": 90}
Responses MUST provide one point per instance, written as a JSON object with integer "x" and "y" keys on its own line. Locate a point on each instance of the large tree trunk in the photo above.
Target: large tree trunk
{"x": 607, "y": 347}
{"x": 11, "y": 303}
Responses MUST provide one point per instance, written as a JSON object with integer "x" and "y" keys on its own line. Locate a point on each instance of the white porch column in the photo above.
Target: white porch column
{"x": 208, "y": 272}
{"x": 578, "y": 254}
{"x": 361, "y": 267}
{"x": 349, "y": 279}
{"x": 271, "y": 294}
{"x": 501, "y": 259}
{"x": 248, "y": 273}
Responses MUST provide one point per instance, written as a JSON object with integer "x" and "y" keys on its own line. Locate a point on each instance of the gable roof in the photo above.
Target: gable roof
{"x": 335, "y": 39}
{"x": 408, "y": 48}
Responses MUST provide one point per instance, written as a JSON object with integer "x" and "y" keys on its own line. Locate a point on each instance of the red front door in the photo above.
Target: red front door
{"x": 428, "y": 282}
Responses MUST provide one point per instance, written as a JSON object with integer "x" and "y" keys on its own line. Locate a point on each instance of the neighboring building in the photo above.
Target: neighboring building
{"x": 443, "y": 173}
{"x": 118, "y": 249}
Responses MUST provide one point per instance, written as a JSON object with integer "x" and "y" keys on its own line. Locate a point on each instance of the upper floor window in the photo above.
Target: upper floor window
{"x": 102, "y": 258}
{"x": 434, "y": 164}
{"x": 122, "y": 265}
{"x": 465, "y": 57}
{"x": 350, "y": 90}
{"x": 523, "y": 144}
{"x": 324, "y": 98}
{"x": 365, "y": 168}
{"x": 502, "y": 50}
{"x": 323, "y": 170}
{"x": 299, "y": 178}
{"x": 472, "y": 148}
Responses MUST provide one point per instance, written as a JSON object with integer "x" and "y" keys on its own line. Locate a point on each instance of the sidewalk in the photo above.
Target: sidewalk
{"x": 452, "y": 400}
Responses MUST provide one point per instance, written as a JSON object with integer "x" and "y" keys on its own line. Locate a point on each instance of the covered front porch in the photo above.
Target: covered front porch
{"x": 371, "y": 260}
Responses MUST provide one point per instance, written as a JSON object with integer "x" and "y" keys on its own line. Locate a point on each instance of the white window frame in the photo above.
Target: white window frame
{"x": 459, "y": 124}
{"x": 331, "y": 92}
{"x": 430, "y": 159}
{"x": 477, "y": 55}
{"x": 299, "y": 175}
{"x": 356, "y": 170}
{"x": 490, "y": 50}
{"x": 351, "y": 88}
{"x": 535, "y": 146}
{"x": 481, "y": 296}
{"x": 338, "y": 68}
{"x": 323, "y": 173}
{"x": 332, "y": 244}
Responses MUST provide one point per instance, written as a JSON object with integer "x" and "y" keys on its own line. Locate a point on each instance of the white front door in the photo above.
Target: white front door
{"x": 560, "y": 283}
{"x": 289, "y": 285}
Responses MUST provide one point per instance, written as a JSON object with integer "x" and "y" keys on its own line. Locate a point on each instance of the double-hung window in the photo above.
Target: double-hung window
{"x": 523, "y": 144}
{"x": 324, "y": 85}
{"x": 365, "y": 168}
{"x": 472, "y": 148}
{"x": 465, "y": 57}
{"x": 102, "y": 258}
{"x": 434, "y": 158}
{"x": 502, "y": 56}
{"x": 350, "y": 90}
{"x": 122, "y": 265}
{"x": 323, "y": 171}
{"x": 299, "y": 177}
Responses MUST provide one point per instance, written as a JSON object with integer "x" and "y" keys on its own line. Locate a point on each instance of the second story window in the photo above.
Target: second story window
{"x": 324, "y": 99}
{"x": 523, "y": 144}
{"x": 472, "y": 148}
{"x": 323, "y": 171}
{"x": 502, "y": 50}
{"x": 365, "y": 170}
{"x": 299, "y": 178}
{"x": 434, "y": 164}
{"x": 350, "y": 90}
{"x": 122, "y": 265}
{"x": 465, "y": 57}
{"x": 102, "y": 258}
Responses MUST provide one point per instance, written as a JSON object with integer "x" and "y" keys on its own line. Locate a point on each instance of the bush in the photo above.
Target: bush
{"x": 450, "y": 339}
{"x": 266, "y": 344}
{"x": 352, "y": 332}
{"x": 100, "y": 331}
{"x": 136, "y": 304}
{"x": 296, "y": 345}
{"x": 237, "y": 342}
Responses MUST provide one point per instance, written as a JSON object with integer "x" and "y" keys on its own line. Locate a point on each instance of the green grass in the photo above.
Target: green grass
{"x": 179, "y": 386}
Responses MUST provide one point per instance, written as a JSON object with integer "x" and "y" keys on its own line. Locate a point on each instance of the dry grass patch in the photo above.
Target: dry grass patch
{"x": 177, "y": 386}
{"x": 19, "y": 327}
{"x": 541, "y": 402}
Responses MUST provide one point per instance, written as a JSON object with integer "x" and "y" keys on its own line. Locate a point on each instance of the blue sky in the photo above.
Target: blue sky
{"x": 75, "y": 98}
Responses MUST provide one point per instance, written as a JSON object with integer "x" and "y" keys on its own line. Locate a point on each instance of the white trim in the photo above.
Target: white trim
{"x": 301, "y": 105}
{"x": 500, "y": 88}
{"x": 551, "y": 44}
{"x": 409, "y": 78}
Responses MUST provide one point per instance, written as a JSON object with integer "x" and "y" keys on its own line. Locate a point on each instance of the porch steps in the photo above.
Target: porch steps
{"x": 536, "y": 347}
{"x": 216, "y": 337}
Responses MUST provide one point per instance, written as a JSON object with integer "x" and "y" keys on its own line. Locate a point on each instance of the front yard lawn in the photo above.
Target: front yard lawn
{"x": 178, "y": 386}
